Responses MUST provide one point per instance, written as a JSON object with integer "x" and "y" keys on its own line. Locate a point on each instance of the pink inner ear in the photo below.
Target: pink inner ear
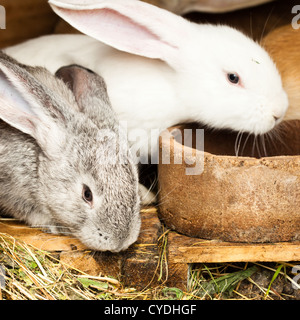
{"x": 19, "y": 120}
{"x": 116, "y": 30}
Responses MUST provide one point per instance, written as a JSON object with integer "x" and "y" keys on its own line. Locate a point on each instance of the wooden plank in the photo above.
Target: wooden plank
{"x": 178, "y": 275}
{"x": 181, "y": 249}
{"x": 50, "y": 242}
{"x": 140, "y": 263}
{"x": 94, "y": 263}
{"x": 184, "y": 249}
{"x": 37, "y": 238}
{"x": 136, "y": 266}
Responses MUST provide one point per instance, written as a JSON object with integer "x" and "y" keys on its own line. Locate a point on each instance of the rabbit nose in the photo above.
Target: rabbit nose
{"x": 277, "y": 119}
{"x": 280, "y": 106}
{"x": 278, "y": 113}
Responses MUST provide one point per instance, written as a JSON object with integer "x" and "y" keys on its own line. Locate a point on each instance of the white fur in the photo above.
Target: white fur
{"x": 186, "y": 82}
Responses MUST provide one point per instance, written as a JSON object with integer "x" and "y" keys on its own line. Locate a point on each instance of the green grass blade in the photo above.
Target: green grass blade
{"x": 273, "y": 279}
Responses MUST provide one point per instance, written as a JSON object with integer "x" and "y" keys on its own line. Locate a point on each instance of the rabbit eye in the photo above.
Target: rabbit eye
{"x": 233, "y": 78}
{"x": 87, "y": 194}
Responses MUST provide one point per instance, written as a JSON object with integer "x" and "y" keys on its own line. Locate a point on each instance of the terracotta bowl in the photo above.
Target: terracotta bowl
{"x": 250, "y": 198}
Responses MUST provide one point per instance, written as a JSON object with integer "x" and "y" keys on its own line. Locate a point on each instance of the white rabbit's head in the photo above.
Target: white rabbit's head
{"x": 224, "y": 78}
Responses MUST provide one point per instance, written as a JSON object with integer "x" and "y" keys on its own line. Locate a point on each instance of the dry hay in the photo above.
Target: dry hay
{"x": 32, "y": 274}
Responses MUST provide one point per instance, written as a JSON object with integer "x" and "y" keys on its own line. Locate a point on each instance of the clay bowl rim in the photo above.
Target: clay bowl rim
{"x": 166, "y": 136}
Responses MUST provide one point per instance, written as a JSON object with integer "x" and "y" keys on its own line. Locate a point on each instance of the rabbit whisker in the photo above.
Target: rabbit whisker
{"x": 253, "y": 147}
{"x": 265, "y": 25}
{"x": 50, "y": 226}
{"x": 245, "y": 143}
{"x": 257, "y": 146}
{"x": 166, "y": 196}
{"x": 237, "y": 144}
{"x": 264, "y": 145}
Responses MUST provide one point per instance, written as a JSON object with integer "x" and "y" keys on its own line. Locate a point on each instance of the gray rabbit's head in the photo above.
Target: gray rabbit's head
{"x": 86, "y": 183}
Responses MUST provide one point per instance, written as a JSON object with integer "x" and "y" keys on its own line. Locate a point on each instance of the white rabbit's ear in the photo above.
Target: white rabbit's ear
{"x": 25, "y": 106}
{"x": 132, "y": 26}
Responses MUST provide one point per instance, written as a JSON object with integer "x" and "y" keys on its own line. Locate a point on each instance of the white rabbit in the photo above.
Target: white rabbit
{"x": 161, "y": 69}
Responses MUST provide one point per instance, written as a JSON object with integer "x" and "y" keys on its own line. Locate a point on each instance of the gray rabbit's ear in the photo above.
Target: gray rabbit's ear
{"x": 82, "y": 81}
{"x": 26, "y": 106}
{"x": 90, "y": 92}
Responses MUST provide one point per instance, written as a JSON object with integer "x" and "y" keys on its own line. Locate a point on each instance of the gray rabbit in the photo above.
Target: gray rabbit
{"x": 64, "y": 162}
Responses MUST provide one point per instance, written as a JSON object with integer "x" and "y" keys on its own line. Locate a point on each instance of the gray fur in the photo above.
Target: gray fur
{"x": 42, "y": 172}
